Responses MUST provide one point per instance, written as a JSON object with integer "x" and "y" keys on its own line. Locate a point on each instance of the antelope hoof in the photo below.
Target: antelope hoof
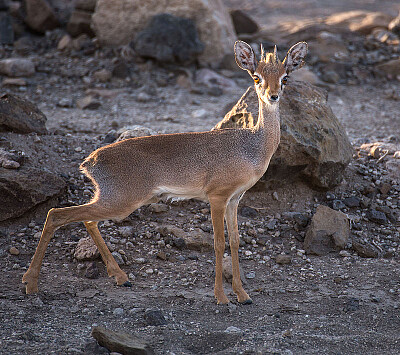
{"x": 31, "y": 286}
{"x": 127, "y": 284}
{"x": 121, "y": 279}
{"x": 248, "y": 301}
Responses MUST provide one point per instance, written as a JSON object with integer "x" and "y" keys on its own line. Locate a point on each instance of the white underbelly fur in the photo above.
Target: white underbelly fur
{"x": 174, "y": 193}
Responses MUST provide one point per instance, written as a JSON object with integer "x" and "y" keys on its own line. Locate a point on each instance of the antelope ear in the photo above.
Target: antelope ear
{"x": 295, "y": 57}
{"x": 245, "y": 57}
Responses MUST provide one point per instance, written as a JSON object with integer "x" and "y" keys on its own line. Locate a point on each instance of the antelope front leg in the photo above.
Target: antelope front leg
{"x": 113, "y": 269}
{"x": 217, "y": 216}
{"x": 30, "y": 278}
{"x": 231, "y": 221}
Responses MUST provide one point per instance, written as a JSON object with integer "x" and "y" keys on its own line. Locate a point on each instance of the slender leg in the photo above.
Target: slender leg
{"x": 113, "y": 269}
{"x": 231, "y": 221}
{"x": 56, "y": 218}
{"x": 217, "y": 216}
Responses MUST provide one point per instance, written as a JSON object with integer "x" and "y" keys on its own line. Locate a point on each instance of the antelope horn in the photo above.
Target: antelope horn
{"x": 262, "y": 52}
{"x": 276, "y": 54}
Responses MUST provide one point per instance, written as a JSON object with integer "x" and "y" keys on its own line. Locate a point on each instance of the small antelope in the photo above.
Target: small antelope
{"x": 217, "y": 166}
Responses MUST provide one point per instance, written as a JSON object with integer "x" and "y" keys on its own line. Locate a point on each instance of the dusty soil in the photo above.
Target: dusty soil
{"x": 331, "y": 305}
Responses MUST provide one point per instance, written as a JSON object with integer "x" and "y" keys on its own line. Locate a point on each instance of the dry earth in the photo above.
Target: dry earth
{"x": 335, "y": 304}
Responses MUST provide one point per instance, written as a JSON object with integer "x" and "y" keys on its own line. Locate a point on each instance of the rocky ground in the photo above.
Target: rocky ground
{"x": 343, "y": 302}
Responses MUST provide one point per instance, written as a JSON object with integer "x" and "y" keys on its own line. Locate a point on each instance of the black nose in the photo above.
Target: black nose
{"x": 274, "y": 97}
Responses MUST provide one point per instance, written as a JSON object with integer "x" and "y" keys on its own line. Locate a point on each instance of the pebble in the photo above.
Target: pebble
{"x": 338, "y": 205}
{"x": 283, "y": 259}
{"x": 344, "y": 253}
{"x": 154, "y": 317}
{"x": 143, "y": 97}
{"x": 118, "y": 258}
{"x": 14, "y": 251}
{"x": 118, "y": 312}
{"x": 275, "y": 196}
{"x": 251, "y": 275}
{"x": 376, "y": 216}
{"x": 352, "y": 201}
{"x": 232, "y": 330}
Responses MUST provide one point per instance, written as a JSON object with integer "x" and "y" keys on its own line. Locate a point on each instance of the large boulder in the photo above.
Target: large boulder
{"x": 313, "y": 146}
{"x": 40, "y": 16}
{"x": 169, "y": 39}
{"x": 21, "y": 189}
{"x": 116, "y": 22}
{"x": 19, "y": 115}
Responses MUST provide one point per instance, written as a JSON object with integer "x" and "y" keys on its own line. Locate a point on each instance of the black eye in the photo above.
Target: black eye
{"x": 256, "y": 79}
{"x": 285, "y": 79}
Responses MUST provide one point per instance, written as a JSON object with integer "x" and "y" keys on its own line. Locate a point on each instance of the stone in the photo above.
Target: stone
{"x": 116, "y": 22}
{"x": 102, "y": 75}
{"x": 14, "y": 251}
{"x": 209, "y": 78}
{"x": 283, "y": 259}
{"x": 227, "y": 269}
{"x": 328, "y": 231}
{"x": 134, "y": 132}
{"x": 313, "y": 147}
{"x": 169, "y": 39}
{"x": 305, "y": 74}
{"x": 86, "y": 5}
{"x": 359, "y": 20}
{"x": 118, "y": 258}
{"x": 352, "y": 201}
{"x": 88, "y": 102}
{"x": 20, "y": 115}
{"x": 6, "y": 29}
{"x": 40, "y": 17}
{"x": 338, "y": 205}
{"x": 17, "y": 67}
{"x": 86, "y": 250}
{"x": 154, "y": 317}
{"x": 198, "y": 240}
{"x": 92, "y": 271}
{"x": 243, "y": 23}
{"x": 20, "y": 192}
{"x": 248, "y": 212}
{"x": 65, "y": 43}
{"x": 79, "y": 23}
{"x": 121, "y": 70}
{"x": 118, "y": 311}
{"x": 377, "y": 216}
{"x": 121, "y": 342}
{"x": 14, "y": 82}
{"x": 365, "y": 250}
{"x": 394, "y": 25}
{"x": 390, "y": 68}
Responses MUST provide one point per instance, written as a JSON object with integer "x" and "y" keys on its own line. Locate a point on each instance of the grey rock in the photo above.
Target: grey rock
{"x": 377, "y": 216}
{"x": 79, "y": 23}
{"x": 20, "y": 192}
{"x": 118, "y": 258}
{"x": 88, "y": 103}
{"x": 243, "y": 23}
{"x": 154, "y": 317}
{"x": 329, "y": 230}
{"x": 128, "y": 344}
{"x": 283, "y": 259}
{"x": 92, "y": 271}
{"x": 134, "y": 132}
{"x": 365, "y": 250}
{"x": 250, "y": 275}
{"x": 248, "y": 212}
{"x": 338, "y": 205}
{"x": 20, "y": 115}
{"x": 118, "y": 311}
{"x": 314, "y": 146}
{"x": 6, "y": 29}
{"x": 40, "y": 17}
{"x": 233, "y": 330}
{"x": 352, "y": 201}
{"x": 169, "y": 39}
{"x": 86, "y": 5}
{"x": 17, "y": 67}
{"x": 86, "y": 250}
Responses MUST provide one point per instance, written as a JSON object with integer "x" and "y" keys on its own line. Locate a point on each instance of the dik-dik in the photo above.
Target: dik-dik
{"x": 218, "y": 166}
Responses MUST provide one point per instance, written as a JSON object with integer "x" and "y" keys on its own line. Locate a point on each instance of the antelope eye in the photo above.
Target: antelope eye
{"x": 256, "y": 79}
{"x": 285, "y": 79}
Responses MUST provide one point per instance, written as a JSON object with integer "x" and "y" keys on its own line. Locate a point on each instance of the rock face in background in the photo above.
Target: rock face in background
{"x": 19, "y": 115}
{"x": 116, "y": 22}
{"x": 17, "y": 67}
{"x": 243, "y": 23}
{"x": 22, "y": 189}
{"x": 169, "y": 39}
{"x": 313, "y": 143}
